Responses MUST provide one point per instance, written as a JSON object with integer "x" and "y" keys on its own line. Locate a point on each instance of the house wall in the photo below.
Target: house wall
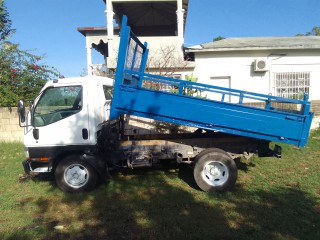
{"x": 237, "y": 66}
{"x": 155, "y": 45}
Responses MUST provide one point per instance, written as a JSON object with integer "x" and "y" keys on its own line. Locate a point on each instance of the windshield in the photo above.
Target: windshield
{"x": 56, "y": 104}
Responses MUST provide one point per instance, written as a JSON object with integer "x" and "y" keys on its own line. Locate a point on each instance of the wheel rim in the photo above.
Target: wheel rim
{"x": 215, "y": 173}
{"x": 76, "y": 175}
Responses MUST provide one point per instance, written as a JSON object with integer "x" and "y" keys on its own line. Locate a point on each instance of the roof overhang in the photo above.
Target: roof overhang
{"x": 96, "y": 38}
{"x": 92, "y": 30}
{"x": 150, "y": 16}
{"x": 259, "y": 43}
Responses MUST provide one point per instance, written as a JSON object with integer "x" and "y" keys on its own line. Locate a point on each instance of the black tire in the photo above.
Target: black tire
{"x": 73, "y": 174}
{"x": 215, "y": 171}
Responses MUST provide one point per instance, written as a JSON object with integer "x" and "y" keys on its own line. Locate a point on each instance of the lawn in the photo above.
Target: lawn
{"x": 273, "y": 199}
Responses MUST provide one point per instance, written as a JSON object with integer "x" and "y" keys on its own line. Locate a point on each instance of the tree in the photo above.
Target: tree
{"x": 218, "y": 38}
{"x": 5, "y": 22}
{"x": 166, "y": 61}
{"x": 21, "y": 73}
{"x": 191, "y": 91}
{"x": 314, "y": 32}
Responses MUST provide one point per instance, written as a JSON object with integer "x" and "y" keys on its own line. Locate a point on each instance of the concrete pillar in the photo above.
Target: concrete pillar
{"x": 180, "y": 24}
{"x": 180, "y": 20}
{"x": 89, "y": 60}
{"x": 109, "y": 15}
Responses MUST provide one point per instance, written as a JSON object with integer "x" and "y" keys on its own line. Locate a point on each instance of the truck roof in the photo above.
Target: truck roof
{"x": 81, "y": 80}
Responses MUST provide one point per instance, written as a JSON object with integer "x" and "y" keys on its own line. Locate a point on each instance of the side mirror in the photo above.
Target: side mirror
{"x": 21, "y": 112}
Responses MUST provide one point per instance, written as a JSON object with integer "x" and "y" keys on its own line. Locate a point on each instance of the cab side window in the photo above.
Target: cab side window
{"x": 108, "y": 92}
{"x": 56, "y": 104}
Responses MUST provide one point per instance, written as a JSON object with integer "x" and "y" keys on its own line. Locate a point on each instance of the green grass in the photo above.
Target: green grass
{"x": 273, "y": 199}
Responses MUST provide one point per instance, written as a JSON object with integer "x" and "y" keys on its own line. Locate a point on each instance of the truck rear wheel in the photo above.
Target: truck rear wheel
{"x": 215, "y": 171}
{"x": 74, "y": 174}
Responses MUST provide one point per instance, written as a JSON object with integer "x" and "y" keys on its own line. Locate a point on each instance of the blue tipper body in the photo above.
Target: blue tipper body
{"x": 133, "y": 95}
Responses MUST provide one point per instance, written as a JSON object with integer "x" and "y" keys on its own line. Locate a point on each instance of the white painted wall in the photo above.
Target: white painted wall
{"x": 155, "y": 44}
{"x": 238, "y": 66}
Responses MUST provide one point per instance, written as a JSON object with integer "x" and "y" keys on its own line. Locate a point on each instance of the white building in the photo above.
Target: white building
{"x": 161, "y": 23}
{"x": 281, "y": 66}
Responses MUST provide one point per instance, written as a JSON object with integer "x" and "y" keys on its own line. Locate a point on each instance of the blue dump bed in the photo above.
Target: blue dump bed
{"x": 137, "y": 93}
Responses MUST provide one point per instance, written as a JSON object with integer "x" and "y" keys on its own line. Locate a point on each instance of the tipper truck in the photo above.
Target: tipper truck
{"x": 77, "y": 128}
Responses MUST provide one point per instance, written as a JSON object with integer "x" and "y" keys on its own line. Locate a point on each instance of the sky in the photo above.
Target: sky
{"x": 49, "y": 27}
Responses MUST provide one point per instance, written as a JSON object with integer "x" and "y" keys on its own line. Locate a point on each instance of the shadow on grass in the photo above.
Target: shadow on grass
{"x": 144, "y": 204}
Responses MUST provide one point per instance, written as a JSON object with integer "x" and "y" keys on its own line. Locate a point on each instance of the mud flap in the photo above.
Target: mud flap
{"x": 26, "y": 167}
{"x": 98, "y": 164}
{"x": 277, "y": 150}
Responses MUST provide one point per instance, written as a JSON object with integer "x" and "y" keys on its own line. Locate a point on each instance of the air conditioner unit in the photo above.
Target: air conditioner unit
{"x": 260, "y": 65}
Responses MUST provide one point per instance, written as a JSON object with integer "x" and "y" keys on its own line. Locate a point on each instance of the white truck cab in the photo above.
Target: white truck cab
{"x": 65, "y": 117}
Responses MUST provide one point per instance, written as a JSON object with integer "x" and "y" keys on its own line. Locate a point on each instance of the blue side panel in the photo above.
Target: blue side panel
{"x": 135, "y": 94}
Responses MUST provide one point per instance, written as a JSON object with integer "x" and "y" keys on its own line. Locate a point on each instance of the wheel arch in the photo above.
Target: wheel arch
{"x": 94, "y": 160}
{"x": 62, "y": 155}
{"x": 208, "y": 150}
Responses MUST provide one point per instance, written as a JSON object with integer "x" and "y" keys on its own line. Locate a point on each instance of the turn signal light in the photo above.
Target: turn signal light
{"x": 44, "y": 159}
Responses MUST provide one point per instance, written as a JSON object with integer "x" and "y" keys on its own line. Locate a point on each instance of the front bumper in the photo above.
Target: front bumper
{"x": 36, "y": 166}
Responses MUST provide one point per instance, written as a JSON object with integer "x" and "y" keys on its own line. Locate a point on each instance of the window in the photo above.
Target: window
{"x": 56, "y": 104}
{"x": 108, "y": 92}
{"x": 292, "y": 84}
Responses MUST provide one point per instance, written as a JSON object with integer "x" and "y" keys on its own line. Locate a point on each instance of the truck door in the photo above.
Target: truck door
{"x": 60, "y": 117}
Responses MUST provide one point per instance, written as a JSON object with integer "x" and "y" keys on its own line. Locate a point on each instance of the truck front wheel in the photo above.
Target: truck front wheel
{"x": 74, "y": 174}
{"x": 215, "y": 171}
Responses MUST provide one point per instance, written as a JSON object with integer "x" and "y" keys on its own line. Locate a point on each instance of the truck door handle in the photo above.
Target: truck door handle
{"x": 85, "y": 133}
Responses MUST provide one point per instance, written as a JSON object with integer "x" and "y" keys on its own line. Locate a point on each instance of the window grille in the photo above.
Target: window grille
{"x": 291, "y": 85}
